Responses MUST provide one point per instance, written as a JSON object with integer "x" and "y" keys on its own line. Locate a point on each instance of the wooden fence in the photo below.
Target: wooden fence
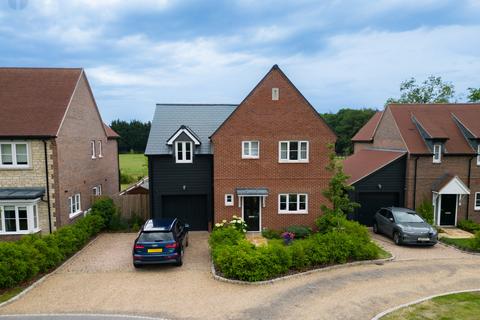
{"x": 131, "y": 204}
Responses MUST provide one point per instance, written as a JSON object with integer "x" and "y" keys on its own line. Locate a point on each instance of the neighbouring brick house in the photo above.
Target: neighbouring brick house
{"x": 411, "y": 153}
{"x": 55, "y": 150}
{"x": 263, "y": 160}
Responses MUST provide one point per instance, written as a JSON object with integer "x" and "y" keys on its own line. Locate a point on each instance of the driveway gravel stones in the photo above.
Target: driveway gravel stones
{"x": 102, "y": 280}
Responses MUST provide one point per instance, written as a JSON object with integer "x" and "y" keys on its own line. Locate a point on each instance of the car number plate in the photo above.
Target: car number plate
{"x": 155, "y": 250}
{"x": 423, "y": 239}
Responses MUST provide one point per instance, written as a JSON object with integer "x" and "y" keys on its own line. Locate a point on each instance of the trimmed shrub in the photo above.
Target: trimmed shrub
{"x": 468, "y": 225}
{"x": 225, "y": 236}
{"x": 300, "y": 232}
{"x": 105, "y": 208}
{"x": 476, "y": 241}
{"x": 425, "y": 210}
{"x": 271, "y": 234}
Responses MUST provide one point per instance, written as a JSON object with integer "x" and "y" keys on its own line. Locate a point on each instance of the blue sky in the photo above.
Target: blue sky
{"x": 338, "y": 53}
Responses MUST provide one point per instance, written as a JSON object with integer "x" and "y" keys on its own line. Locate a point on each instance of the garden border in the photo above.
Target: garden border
{"x": 458, "y": 249}
{"x": 299, "y": 274}
{"x": 46, "y": 276}
{"x": 393, "y": 309}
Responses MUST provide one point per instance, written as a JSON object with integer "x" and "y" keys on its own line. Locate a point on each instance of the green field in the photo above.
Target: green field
{"x": 134, "y": 166}
{"x": 465, "y": 306}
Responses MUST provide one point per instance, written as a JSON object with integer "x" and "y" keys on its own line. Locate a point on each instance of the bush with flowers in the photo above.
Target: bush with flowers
{"x": 236, "y": 222}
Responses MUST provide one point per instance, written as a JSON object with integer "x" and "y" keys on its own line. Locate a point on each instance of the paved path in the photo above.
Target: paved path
{"x": 102, "y": 280}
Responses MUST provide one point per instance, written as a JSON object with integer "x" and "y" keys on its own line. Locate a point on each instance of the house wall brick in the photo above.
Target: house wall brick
{"x": 34, "y": 177}
{"x": 387, "y": 134}
{"x": 357, "y": 146}
{"x": 260, "y": 118}
{"x": 77, "y": 171}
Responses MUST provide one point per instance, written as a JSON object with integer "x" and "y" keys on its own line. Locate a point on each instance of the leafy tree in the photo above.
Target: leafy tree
{"x": 474, "y": 94}
{"x": 346, "y": 123}
{"x": 133, "y": 135}
{"x": 432, "y": 90}
{"x": 337, "y": 192}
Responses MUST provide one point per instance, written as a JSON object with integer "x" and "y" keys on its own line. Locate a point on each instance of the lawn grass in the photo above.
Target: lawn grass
{"x": 10, "y": 293}
{"x": 134, "y": 165}
{"x": 464, "y": 244}
{"x": 465, "y": 306}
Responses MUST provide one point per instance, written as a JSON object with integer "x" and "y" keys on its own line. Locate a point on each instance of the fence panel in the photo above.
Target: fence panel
{"x": 131, "y": 204}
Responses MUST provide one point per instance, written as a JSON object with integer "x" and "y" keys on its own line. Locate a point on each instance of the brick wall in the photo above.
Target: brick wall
{"x": 260, "y": 118}
{"x": 387, "y": 134}
{"x": 77, "y": 171}
{"x": 34, "y": 177}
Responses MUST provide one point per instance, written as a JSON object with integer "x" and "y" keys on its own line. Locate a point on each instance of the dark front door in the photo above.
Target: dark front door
{"x": 448, "y": 209}
{"x": 190, "y": 208}
{"x": 251, "y": 213}
{"x": 371, "y": 202}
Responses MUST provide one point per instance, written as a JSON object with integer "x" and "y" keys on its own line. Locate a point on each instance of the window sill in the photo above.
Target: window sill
{"x": 293, "y": 212}
{"x": 15, "y": 167}
{"x": 183, "y": 162}
{"x": 293, "y": 161}
{"x": 249, "y": 158}
{"x": 20, "y": 232}
{"x": 75, "y": 214}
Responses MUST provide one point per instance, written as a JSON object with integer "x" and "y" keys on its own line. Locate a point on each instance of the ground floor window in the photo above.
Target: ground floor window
{"x": 74, "y": 204}
{"x": 293, "y": 203}
{"x": 18, "y": 217}
{"x": 477, "y": 200}
{"x": 97, "y": 191}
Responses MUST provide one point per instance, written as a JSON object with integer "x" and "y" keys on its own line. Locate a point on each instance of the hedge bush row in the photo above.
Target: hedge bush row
{"x": 299, "y": 231}
{"x": 469, "y": 225}
{"x": 341, "y": 242}
{"x": 33, "y": 254}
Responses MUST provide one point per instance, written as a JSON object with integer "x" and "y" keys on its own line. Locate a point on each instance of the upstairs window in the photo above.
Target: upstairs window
{"x": 100, "y": 149}
{"x": 183, "y": 152}
{"x": 437, "y": 153}
{"x": 97, "y": 190}
{"x": 275, "y": 93}
{"x": 293, "y": 151}
{"x": 92, "y": 151}
{"x": 250, "y": 149}
{"x": 14, "y": 155}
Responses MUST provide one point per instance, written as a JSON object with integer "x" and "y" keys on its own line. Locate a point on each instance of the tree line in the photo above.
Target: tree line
{"x": 345, "y": 122}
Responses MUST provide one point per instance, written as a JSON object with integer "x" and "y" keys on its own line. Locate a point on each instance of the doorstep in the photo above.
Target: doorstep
{"x": 452, "y": 232}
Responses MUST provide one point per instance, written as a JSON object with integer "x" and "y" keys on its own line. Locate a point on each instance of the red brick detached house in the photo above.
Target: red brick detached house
{"x": 55, "y": 150}
{"x": 263, "y": 160}
{"x": 411, "y": 153}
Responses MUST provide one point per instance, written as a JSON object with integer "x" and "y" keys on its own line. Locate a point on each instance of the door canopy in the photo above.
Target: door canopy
{"x": 453, "y": 185}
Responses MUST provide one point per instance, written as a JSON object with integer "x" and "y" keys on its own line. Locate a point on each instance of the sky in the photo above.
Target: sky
{"x": 338, "y": 53}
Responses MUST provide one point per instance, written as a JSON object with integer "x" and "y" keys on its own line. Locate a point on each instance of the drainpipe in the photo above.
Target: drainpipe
{"x": 48, "y": 187}
{"x": 468, "y": 183}
{"x": 415, "y": 185}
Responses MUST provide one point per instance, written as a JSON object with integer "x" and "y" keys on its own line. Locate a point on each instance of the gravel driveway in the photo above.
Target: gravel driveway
{"x": 102, "y": 280}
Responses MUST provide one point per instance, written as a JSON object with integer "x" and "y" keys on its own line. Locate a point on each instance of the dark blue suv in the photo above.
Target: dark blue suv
{"x": 160, "y": 241}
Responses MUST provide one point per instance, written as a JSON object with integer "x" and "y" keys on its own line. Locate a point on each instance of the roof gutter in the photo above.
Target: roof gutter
{"x": 48, "y": 187}
{"x": 468, "y": 184}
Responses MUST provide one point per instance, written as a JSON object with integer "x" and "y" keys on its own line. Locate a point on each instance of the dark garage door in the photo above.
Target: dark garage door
{"x": 372, "y": 201}
{"x": 191, "y": 209}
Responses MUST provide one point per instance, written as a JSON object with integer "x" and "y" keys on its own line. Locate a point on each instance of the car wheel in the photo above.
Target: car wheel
{"x": 396, "y": 238}
{"x": 375, "y": 227}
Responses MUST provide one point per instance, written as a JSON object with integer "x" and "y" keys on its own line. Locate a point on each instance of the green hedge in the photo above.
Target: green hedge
{"x": 469, "y": 225}
{"x": 237, "y": 258}
{"x": 33, "y": 254}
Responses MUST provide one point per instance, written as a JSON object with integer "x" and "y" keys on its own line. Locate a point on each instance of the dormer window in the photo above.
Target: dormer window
{"x": 437, "y": 153}
{"x": 478, "y": 154}
{"x": 183, "y": 152}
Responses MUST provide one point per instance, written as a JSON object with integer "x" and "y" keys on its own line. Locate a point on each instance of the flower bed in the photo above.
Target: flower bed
{"x": 338, "y": 241}
{"x": 22, "y": 260}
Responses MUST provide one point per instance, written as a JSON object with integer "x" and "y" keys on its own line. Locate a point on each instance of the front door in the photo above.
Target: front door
{"x": 251, "y": 213}
{"x": 448, "y": 209}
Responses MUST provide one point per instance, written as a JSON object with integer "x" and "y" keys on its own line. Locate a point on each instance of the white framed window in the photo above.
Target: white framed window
{"x": 293, "y": 151}
{"x": 293, "y": 203}
{"x": 229, "y": 200}
{"x": 14, "y": 155}
{"x": 100, "y": 149}
{"x": 92, "y": 149}
{"x": 477, "y": 201}
{"x": 183, "y": 152}
{"x": 97, "y": 190}
{"x": 478, "y": 155}
{"x": 74, "y": 205}
{"x": 250, "y": 149}
{"x": 275, "y": 93}
{"x": 19, "y": 217}
{"x": 437, "y": 153}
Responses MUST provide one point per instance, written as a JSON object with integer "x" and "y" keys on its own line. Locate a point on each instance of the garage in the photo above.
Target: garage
{"x": 190, "y": 208}
{"x": 378, "y": 178}
{"x": 371, "y": 202}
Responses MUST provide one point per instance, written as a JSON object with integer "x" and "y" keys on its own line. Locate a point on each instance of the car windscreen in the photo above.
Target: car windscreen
{"x": 155, "y": 237}
{"x": 407, "y": 217}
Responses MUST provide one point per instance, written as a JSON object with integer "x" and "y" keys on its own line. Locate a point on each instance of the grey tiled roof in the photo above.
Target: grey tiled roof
{"x": 21, "y": 193}
{"x": 202, "y": 119}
